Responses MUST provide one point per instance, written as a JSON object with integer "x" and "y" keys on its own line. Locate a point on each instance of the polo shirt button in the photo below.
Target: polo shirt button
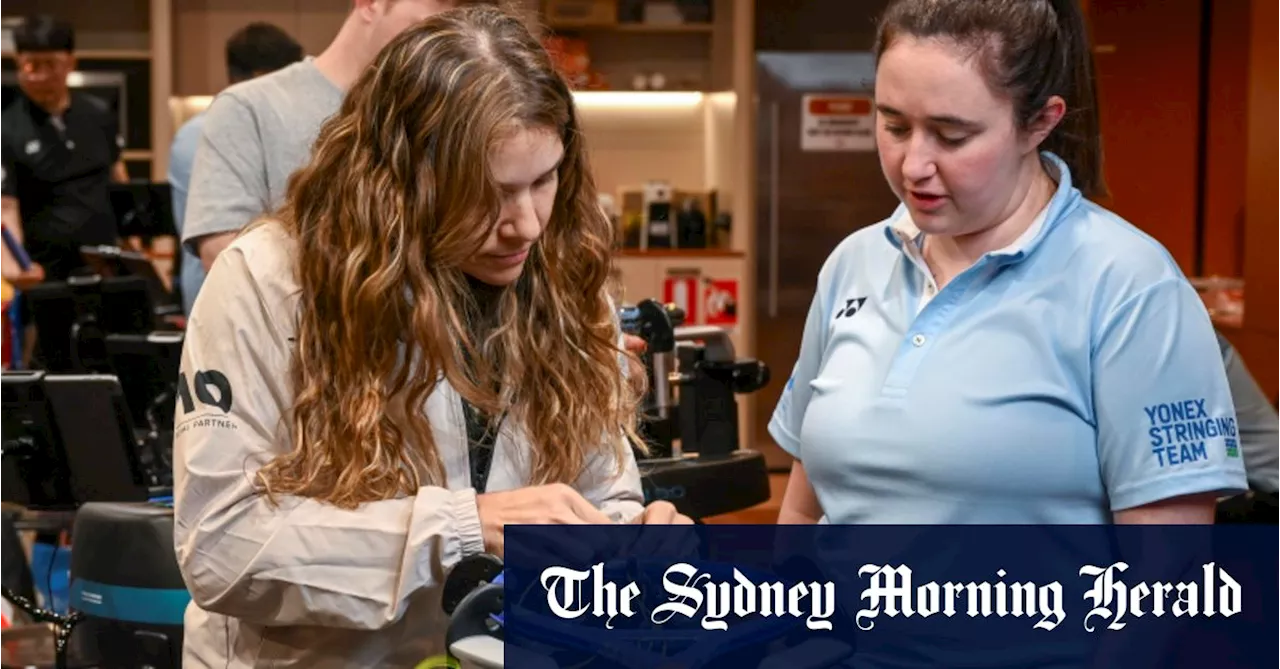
{"x": 918, "y": 340}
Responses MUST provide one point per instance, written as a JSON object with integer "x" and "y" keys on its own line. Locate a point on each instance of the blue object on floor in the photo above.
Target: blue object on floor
{"x": 15, "y": 332}
{"x": 44, "y": 557}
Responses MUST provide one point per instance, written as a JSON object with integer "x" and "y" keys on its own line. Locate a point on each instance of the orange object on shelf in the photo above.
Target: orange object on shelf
{"x": 573, "y": 62}
{"x": 1224, "y": 299}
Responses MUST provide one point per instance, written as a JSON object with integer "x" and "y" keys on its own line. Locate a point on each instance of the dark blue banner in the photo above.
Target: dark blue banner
{"x": 874, "y": 597}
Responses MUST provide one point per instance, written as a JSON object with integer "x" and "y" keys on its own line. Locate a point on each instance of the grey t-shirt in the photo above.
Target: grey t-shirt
{"x": 1257, "y": 422}
{"x": 255, "y": 135}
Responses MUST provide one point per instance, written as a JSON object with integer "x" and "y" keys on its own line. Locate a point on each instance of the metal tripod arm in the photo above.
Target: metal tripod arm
{"x": 719, "y": 347}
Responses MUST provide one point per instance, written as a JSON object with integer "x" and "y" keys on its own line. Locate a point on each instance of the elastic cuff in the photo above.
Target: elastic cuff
{"x": 467, "y": 516}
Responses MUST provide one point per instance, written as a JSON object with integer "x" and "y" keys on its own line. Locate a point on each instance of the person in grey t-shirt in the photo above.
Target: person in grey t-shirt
{"x": 257, "y": 133}
{"x": 254, "y": 50}
{"x": 1257, "y": 423}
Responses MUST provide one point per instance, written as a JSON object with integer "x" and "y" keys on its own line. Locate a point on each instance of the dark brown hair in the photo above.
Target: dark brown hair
{"x": 1029, "y": 50}
{"x": 397, "y": 195}
{"x": 44, "y": 33}
{"x": 259, "y": 48}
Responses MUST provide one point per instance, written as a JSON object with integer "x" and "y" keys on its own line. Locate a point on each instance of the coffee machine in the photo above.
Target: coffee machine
{"x": 659, "y": 217}
{"x": 689, "y": 418}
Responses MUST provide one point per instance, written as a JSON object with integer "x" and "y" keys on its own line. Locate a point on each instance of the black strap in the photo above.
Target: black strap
{"x": 481, "y": 436}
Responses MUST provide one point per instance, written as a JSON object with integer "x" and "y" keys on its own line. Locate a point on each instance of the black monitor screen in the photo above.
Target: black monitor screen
{"x": 120, "y": 305}
{"x": 34, "y": 468}
{"x": 98, "y": 438}
{"x": 144, "y": 209}
{"x": 147, "y": 366}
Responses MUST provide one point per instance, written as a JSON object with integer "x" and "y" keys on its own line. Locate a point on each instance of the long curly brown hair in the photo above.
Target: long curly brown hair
{"x": 399, "y": 193}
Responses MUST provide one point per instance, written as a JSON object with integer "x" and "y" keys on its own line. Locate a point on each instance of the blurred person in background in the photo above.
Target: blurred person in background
{"x": 254, "y": 50}
{"x": 12, "y": 275}
{"x": 259, "y": 132}
{"x": 61, "y": 153}
{"x": 1259, "y": 426}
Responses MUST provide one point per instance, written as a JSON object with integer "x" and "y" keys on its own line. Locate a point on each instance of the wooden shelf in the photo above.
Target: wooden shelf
{"x": 649, "y": 28}
{"x": 113, "y": 54}
{"x": 103, "y": 54}
{"x": 679, "y": 253}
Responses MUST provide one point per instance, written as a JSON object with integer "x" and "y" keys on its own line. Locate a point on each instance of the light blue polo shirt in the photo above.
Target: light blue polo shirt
{"x": 1072, "y": 374}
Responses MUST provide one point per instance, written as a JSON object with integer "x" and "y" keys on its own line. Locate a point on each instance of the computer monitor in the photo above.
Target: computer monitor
{"x": 144, "y": 209}
{"x": 101, "y": 306}
{"x": 35, "y": 473}
{"x": 112, "y": 261}
{"x": 98, "y": 438}
{"x": 147, "y": 367}
{"x": 68, "y": 440}
{"x": 115, "y": 262}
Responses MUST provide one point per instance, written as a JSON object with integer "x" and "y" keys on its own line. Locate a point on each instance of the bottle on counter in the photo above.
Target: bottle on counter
{"x": 691, "y": 225}
{"x": 659, "y": 214}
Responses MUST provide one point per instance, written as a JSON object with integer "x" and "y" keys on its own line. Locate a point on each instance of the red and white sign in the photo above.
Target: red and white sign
{"x": 682, "y": 291}
{"x": 838, "y": 123}
{"x": 721, "y": 297}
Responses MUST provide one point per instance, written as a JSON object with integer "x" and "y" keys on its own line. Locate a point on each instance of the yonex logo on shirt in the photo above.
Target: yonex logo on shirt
{"x": 1179, "y": 431}
{"x": 851, "y": 307}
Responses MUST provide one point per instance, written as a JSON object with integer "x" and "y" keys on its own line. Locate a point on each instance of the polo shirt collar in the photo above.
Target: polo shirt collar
{"x": 903, "y": 234}
{"x": 40, "y": 116}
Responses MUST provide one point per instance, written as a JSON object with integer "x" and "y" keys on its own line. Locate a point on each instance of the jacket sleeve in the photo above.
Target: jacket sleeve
{"x": 302, "y": 562}
{"x": 617, "y": 496}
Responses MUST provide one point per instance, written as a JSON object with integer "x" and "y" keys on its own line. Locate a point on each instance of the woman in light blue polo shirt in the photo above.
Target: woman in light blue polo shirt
{"x": 1000, "y": 349}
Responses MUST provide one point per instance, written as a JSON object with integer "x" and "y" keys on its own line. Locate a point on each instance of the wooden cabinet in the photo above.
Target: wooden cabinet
{"x": 690, "y": 57}
{"x": 115, "y": 27}
{"x": 627, "y": 48}
{"x": 201, "y": 29}
{"x": 1258, "y": 340}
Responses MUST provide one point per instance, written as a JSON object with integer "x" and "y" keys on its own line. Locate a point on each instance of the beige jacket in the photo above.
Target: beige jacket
{"x": 307, "y": 584}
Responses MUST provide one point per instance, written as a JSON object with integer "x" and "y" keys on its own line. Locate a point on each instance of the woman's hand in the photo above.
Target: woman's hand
{"x": 23, "y": 279}
{"x": 635, "y": 346}
{"x": 555, "y": 504}
{"x": 668, "y": 543}
{"x": 661, "y": 513}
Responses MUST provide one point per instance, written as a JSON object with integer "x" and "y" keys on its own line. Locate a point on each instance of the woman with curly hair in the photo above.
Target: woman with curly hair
{"x": 416, "y": 350}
